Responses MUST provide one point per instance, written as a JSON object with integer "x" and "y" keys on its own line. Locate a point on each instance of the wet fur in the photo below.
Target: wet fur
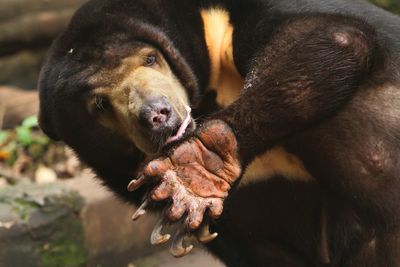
{"x": 321, "y": 80}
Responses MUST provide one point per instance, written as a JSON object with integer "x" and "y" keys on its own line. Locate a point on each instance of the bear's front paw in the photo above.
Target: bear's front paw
{"x": 196, "y": 176}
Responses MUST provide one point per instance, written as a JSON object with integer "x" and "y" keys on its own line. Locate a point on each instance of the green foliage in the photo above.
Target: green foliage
{"x": 30, "y": 122}
{"x": 23, "y": 137}
{"x": 3, "y": 136}
{"x": 391, "y": 5}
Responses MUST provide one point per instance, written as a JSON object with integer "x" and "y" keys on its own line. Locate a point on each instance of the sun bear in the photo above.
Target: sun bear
{"x": 267, "y": 128}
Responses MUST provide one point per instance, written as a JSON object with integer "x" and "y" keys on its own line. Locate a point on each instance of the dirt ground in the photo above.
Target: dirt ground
{"x": 198, "y": 258}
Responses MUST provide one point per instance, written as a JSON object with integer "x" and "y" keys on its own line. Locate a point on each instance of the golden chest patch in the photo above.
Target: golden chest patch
{"x": 225, "y": 78}
{"x": 273, "y": 162}
{"x": 227, "y": 82}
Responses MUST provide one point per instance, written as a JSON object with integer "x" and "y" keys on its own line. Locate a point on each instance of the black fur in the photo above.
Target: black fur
{"x": 321, "y": 78}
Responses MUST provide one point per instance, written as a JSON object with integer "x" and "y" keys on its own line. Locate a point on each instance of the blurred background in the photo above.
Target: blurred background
{"x": 52, "y": 210}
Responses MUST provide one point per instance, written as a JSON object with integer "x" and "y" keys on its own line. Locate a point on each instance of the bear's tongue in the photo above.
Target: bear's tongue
{"x": 182, "y": 128}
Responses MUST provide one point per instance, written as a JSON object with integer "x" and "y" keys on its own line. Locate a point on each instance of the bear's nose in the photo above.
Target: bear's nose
{"x": 157, "y": 114}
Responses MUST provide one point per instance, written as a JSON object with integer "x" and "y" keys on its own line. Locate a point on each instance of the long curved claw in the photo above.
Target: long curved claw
{"x": 204, "y": 235}
{"x": 157, "y": 238}
{"x": 135, "y": 184}
{"x": 177, "y": 249}
{"x": 140, "y": 211}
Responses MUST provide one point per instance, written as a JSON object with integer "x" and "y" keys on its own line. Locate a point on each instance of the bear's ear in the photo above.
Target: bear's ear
{"x": 46, "y": 127}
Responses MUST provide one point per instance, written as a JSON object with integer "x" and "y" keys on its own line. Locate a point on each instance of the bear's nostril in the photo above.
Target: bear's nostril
{"x": 165, "y": 111}
{"x": 159, "y": 118}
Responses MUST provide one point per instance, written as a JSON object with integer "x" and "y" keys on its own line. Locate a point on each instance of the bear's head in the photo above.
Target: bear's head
{"x": 116, "y": 87}
{"x": 115, "y": 76}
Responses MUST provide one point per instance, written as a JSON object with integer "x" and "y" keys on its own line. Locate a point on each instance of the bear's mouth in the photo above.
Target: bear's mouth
{"x": 181, "y": 130}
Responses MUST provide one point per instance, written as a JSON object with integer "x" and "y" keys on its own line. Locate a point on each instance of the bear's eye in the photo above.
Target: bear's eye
{"x": 150, "y": 60}
{"x": 101, "y": 103}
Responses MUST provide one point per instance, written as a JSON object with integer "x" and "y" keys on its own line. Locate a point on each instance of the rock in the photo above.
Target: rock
{"x": 17, "y": 104}
{"x": 45, "y": 175}
{"x": 40, "y": 226}
{"x": 15, "y": 8}
{"x": 112, "y": 239}
{"x": 21, "y": 69}
{"x": 3, "y": 182}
